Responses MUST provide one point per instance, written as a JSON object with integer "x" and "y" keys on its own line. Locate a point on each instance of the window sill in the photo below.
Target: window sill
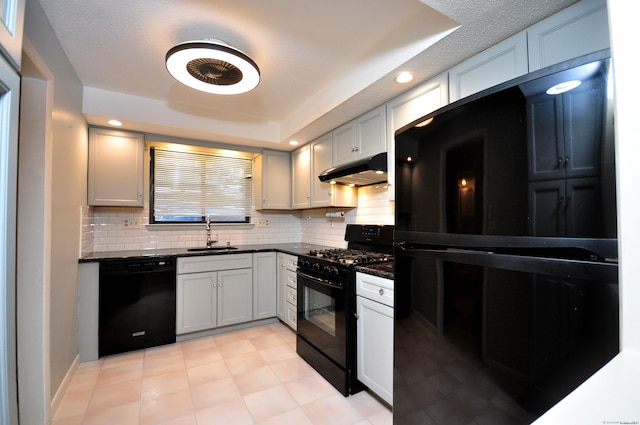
{"x": 198, "y": 226}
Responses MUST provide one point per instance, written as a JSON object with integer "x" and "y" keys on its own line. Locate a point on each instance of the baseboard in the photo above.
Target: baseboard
{"x": 62, "y": 389}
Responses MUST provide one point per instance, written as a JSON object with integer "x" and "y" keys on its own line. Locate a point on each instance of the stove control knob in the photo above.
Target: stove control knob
{"x": 334, "y": 271}
{"x": 315, "y": 266}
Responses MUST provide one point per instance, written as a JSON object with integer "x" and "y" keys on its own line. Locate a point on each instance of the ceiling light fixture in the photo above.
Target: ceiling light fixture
{"x": 293, "y": 142}
{"x": 115, "y": 123}
{"x": 212, "y": 66}
{"x": 404, "y": 77}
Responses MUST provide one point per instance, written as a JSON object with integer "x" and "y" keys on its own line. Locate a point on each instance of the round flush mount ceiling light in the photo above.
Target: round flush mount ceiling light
{"x": 212, "y": 66}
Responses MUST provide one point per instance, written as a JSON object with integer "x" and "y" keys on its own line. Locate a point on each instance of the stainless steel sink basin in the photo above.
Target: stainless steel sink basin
{"x": 212, "y": 248}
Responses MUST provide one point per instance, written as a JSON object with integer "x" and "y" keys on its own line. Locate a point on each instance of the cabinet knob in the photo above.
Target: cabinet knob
{"x": 356, "y": 315}
{"x": 381, "y": 291}
{"x": 356, "y": 149}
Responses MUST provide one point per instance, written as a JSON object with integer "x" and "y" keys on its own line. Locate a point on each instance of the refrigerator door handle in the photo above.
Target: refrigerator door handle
{"x": 553, "y": 266}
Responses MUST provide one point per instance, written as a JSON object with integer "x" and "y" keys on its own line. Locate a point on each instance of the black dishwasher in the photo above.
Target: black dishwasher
{"x": 137, "y": 304}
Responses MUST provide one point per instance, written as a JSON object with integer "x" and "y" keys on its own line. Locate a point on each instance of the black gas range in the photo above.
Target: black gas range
{"x": 326, "y": 302}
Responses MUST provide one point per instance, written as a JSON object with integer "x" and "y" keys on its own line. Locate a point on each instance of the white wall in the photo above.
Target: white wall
{"x": 68, "y": 132}
{"x": 626, "y": 63}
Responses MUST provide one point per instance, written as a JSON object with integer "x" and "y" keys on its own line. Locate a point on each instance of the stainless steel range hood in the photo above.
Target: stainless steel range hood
{"x": 360, "y": 173}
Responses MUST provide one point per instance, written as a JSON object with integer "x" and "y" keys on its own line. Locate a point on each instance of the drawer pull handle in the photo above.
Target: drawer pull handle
{"x": 381, "y": 291}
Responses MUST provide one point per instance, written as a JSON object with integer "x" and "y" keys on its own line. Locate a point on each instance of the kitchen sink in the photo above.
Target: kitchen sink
{"x": 212, "y": 248}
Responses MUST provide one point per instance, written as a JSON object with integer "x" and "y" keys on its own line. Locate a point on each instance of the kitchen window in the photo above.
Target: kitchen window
{"x": 188, "y": 186}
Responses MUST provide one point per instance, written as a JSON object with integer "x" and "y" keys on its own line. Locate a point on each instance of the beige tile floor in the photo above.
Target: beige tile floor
{"x": 251, "y": 376}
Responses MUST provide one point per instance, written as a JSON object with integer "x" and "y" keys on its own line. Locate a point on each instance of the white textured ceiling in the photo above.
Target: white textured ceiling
{"x": 322, "y": 63}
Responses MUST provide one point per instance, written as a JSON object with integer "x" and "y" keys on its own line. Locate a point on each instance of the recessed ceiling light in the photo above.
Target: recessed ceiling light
{"x": 563, "y": 87}
{"x": 404, "y": 77}
{"x": 212, "y": 66}
{"x": 115, "y": 123}
{"x": 293, "y": 142}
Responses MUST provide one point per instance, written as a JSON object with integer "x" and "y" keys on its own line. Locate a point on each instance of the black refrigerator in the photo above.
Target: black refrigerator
{"x": 506, "y": 292}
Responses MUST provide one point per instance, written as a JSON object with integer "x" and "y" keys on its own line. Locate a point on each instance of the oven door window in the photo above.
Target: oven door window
{"x": 320, "y": 309}
{"x": 322, "y": 318}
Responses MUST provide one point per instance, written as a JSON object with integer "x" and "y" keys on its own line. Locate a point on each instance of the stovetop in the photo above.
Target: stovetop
{"x": 351, "y": 256}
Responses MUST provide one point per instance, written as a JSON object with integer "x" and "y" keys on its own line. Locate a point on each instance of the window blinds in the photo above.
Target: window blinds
{"x": 188, "y": 186}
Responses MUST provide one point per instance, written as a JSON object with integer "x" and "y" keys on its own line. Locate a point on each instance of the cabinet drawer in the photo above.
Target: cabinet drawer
{"x": 375, "y": 288}
{"x": 292, "y": 295}
{"x": 292, "y": 316}
{"x": 292, "y": 279}
{"x": 292, "y": 262}
{"x": 211, "y": 263}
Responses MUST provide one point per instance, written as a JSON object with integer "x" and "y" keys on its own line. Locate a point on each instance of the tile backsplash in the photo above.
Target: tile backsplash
{"x": 116, "y": 229}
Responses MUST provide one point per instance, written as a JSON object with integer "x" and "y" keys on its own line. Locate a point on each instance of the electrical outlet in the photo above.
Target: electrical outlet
{"x": 266, "y": 223}
{"x": 130, "y": 223}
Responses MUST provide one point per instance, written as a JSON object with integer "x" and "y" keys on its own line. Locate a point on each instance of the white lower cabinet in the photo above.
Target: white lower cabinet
{"x": 216, "y": 295}
{"x": 264, "y": 285}
{"x": 374, "y": 305}
{"x": 287, "y": 290}
{"x": 235, "y": 301}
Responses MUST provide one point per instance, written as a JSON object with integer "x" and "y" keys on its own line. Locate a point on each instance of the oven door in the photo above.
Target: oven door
{"x": 322, "y": 317}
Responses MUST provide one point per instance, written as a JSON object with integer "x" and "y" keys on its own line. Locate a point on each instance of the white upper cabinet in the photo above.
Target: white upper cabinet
{"x": 325, "y": 194}
{"x": 301, "y": 180}
{"x": 308, "y": 191}
{"x": 408, "y": 107}
{"x": 575, "y": 31}
{"x": 361, "y": 138}
{"x": 497, "y": 64}
{"x": 272, "y": 180}
{"x": 115, "y": 168}
{"x": 12, "y": 16}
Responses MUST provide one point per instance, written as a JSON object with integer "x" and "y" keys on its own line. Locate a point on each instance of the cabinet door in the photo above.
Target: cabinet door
{"x": 264, "y": 285}
{"x": 282, "y": 286}
{"x": 321, "y": 160}
{"x": 272, "y": 180}
{"x": 344, "y": 143}
{"x": 375, "y": 347}
{"x": 12, "y": 18}
{"x": 301, "y": 163}
{"x": 372, "y": 133}
{"x": 407, "y": 108}
{"x": 196, "y": 301}
{"x": 497, "y": 64}
{"x": 575, "y": 31}
{"x": 115, "y": 168}
{"x": 235, "y": 301}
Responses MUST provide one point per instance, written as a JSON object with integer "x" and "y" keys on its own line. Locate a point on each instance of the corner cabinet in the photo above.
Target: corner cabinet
{"x": 272, "y": 180}
{"x": 361, "y": 138}
{"x": 115, "y": 170}
{"x": 213, "y": 291}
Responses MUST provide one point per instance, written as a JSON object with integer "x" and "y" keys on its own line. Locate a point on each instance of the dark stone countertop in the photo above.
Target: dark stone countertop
{"x": 384, "y": 270}
{"x": 296, "y": 248}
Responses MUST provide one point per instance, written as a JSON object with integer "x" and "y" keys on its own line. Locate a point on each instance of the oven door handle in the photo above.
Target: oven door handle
{"x": 318, "y": 280}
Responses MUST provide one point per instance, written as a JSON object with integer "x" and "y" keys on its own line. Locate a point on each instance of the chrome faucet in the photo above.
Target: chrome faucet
{"x": 209, "y": 241}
